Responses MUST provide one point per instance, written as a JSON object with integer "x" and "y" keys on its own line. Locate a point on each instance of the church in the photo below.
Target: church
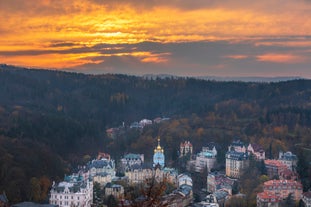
{"x": 158, "y": 156}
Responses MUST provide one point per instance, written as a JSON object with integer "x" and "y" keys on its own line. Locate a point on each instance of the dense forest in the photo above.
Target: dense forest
{"x": 50, "y": 120}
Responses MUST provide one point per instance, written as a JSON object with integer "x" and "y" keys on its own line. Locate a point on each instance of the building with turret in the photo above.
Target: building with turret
{"x": 236, "y": 160}
{"x": 185, "y": 149}
{"x": 73, "y": 191}
{"x": 206, "y": 159}
{"x": 131, "y": 159}
{"x": 288, "y": 159}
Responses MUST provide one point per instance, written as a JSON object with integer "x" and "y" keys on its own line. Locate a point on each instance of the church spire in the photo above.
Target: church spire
{"x": 158, "y": 157}
{"x": 158, "y": 148}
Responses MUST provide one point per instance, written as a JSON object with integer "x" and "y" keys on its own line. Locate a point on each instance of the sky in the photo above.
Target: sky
{"x": 229, "y": 38}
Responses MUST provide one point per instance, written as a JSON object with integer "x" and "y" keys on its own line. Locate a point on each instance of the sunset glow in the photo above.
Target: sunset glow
{"x": 78, "y": 34}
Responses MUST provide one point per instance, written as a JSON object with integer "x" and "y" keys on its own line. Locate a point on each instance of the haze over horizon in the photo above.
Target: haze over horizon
{"x": 202, "y": 38}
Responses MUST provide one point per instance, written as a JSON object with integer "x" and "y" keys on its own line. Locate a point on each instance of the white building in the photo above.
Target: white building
{"x": 98, "y": 167}
{"x": 102, "y": 178}
{"x": 138, "y": 174}
{"x": 132, "y": 159}
{"x": 205, "y": 159}
{"x": 288, "y": 159}
{"x": 236, "y": 163}
{"x": 237, "y": 146}
{"x": 145, "y": 122}
{"x": 74, "y": 191}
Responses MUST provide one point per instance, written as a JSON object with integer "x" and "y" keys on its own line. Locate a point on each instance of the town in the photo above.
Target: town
{"x": 104, "y": 181}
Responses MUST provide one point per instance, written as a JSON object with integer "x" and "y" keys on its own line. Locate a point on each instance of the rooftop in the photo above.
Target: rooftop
{"x": 236, "y": 155}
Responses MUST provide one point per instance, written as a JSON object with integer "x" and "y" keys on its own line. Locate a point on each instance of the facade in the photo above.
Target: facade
{"x": 98, "y": 167}
{"x": 145, "y": 122}
{"x": 236, "y": 163}
{"x": 288, "y": 175}
{"x": 205, "y": 159}
{"x": 306, "y": 199}
{"x": 266, "y": 199}
{"x": 283, "y": 188}
{"x": 116, "y": 191}
{"x": 171, "y": 175}
{"x": 218, "y": 181}
{"x": 132, "y": 159}
{"x": 184, "y": 179}
{"x": 237, "y": 146}
{"x": 102, "y": 178}
{"x": 274, "y": 168}
{"x": 138, "y": 174}
{"x": 288, "y": 159}
{"x": 158, "y": 156}
{"x": 185, "y": 148}
{"x": 74, "y": 191}
{"x": 257, "y": 151}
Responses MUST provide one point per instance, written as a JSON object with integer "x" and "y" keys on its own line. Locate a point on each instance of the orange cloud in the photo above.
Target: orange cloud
{"x": 280, "y": 58}
{"x": 237, "y": 57}
{"x": 37, "y": 24}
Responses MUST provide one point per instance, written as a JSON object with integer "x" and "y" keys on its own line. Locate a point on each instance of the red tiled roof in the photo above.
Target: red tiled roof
{"x": 268, "y": 195}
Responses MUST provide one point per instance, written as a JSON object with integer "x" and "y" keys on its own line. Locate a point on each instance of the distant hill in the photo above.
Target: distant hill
{"x": 222, "y": 79}
{"x": 50, "y": 119}
{"x": 251, "y": 79}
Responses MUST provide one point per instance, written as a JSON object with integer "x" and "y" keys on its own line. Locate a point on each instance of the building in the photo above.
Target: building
{"x": 31, "y": 204}
{"x": 185, "y": 149}
{"x": 171, "y": 175}
{"x": 132, "y": 159}
{"x": 237, "y": 146}
{"x": 267, "y": 199}
{"x": 283, "y": 188}
{"x": 288, "y": 175}
{"x": 221, "y": 197}
{"x": 306, "y": 199}
{"x": 102, "y": 178}
{"x": 236, "y": 162}
{"x": 206, "y": 159}
{"x": 102, "y": 155}
{"x": 145, "y": 122}
{"x": 115, "y": 190}
{"x": 184, "y": 179}
{"x": 158, "y": 156}
{"x": 257, "y": 151}
{"x": 288, "y": 159}
{"x": 209, "y": 201}
{"x": 218, "y": 181}
{"x": 98, "y": 167}
{"x": 274, "y": 168}
{"x": 73, "y": 191}
{"x": 138, "y": 174}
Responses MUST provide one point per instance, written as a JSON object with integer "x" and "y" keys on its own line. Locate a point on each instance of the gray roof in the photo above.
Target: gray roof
{"x": 100, "y": 163}
{"x": 236, "y": 155}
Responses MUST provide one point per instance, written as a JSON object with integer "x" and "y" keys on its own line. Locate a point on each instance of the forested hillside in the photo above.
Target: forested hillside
{"x": 50, "y": 119}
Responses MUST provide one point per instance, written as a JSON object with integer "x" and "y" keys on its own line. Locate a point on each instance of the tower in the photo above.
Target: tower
{"x": 158, "y": 156}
